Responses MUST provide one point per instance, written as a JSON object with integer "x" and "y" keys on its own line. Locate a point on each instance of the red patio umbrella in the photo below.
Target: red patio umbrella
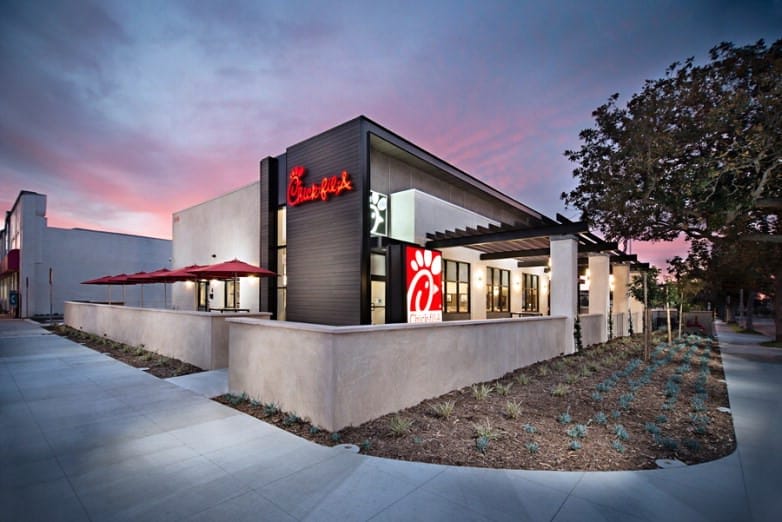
{"x": 179, "y": 274}
{"x": 231, "y": 270}
{"x": 101, "y": 281}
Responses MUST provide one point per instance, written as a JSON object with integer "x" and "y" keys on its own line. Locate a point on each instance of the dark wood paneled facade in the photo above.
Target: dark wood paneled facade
{"x": 326, "y": 252}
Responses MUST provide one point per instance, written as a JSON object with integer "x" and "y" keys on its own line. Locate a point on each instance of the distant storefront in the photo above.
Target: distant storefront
{"x": 41, "y": 267}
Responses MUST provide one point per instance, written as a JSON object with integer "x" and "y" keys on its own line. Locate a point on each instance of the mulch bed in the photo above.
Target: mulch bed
{"x": 601, "y": 409}
{"x": 151, "y": 362}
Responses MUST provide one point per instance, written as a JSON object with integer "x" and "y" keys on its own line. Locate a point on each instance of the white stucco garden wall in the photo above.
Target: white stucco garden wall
{"x": 200, "y": 338}
{"x": 341, "y": 376}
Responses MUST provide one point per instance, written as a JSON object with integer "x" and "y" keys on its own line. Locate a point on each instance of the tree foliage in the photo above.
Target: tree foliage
{"x": 698, "y": 151}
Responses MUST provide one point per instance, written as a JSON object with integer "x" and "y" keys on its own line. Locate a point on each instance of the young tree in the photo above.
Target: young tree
{"x": 697, "y": 152}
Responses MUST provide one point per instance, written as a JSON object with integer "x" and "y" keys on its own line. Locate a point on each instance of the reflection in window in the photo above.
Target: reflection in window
{"x": 457, "y": 287}
{"x": 531, "y": 293}
{"x": 497, "y": 290}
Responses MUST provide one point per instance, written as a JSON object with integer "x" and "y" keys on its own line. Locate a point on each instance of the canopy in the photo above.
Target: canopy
{"x": 105, "y": 280}
{"x": 231, "y": 270}
{"x": 180, "y": 274}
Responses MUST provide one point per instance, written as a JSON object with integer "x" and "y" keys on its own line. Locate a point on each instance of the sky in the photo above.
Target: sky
{"x": 125, "y": 112}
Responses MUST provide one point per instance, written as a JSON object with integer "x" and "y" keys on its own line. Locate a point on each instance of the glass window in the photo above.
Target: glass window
{"x": 497, "y": 290}
{"x": 232, "y": 293}
{"x": 531, "y": 293}
{"x": 282, "y": 282}
{"x": 457, "y": 287}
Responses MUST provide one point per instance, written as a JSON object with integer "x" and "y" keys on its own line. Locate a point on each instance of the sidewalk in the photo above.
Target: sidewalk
{"x": 84, "y": 437}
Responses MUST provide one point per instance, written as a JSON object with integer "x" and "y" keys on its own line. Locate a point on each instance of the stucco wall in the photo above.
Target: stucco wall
{"x": 228, "y": 226}
{"x": 592, "y": 328}
{"x": 200, "y": 338}
{"x": 341, "y": 376}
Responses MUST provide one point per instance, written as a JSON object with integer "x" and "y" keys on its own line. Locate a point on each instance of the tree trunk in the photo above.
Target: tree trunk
{"x": 750, "y": 325}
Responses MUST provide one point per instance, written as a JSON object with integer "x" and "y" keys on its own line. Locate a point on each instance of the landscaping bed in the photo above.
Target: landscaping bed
{"x": 136, "y": 356}
{"x": 603, "y": 408}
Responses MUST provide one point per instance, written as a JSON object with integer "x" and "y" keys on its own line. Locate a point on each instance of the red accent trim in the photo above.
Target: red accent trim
{"x": 10, "y": 263}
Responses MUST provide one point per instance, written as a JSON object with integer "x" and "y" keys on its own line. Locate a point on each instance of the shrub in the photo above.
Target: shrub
{"x": 597, "y": 396}
{"x": 365, "y": 445}
{"x": 481, "y": 392}
{"x": 444, "y": 409}
{"x": 291, "y": 419}
{"x": 560, "y": 390}
{"x": 543, "y": 371}
{"x": 522, "y": 379}
{"x": 485, "y": 430}
{"x": 565, "y": 418}
{"x": 314, "y": 430}
{"x": 482, "y": 444}
{"x": 574, "y": 445}
{"x": 621, "y": 432}
{"x": 618, "y": 446}
{"x": 615, "y": 414}
{"x": 335, "y": 436}
{"x": 571, "y": 378}
{"x": 399, "y": 426}
{"x": 513, "y": 409}
{"x": 504, "y": 389}
{"x": 600, "y": 418}
{"x": 579, "y": 431}
{"x": 652, "y": 428}
{"x": 532, "y": 447}
{"x": 270, "y": 409}
{"x": 529, "y": 428}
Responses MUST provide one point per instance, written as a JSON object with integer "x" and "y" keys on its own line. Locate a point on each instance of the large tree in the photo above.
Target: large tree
{"x": 697, "y": 152}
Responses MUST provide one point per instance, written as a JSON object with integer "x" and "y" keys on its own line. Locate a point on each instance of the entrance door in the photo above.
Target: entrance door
{"x": 202, "y": 296}
{"x": 378, "y": 305}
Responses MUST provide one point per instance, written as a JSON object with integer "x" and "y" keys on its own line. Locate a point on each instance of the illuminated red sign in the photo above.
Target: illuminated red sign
{"x": 424, "y": 280}
{"x": 299, "y": 193}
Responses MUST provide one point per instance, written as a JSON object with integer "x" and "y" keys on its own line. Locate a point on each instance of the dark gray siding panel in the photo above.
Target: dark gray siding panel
{"x": 325, "y": 237}
{"x": 268, "y": 254}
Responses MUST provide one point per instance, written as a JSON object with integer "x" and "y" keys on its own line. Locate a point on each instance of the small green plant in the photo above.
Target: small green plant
{"x": 698, "y": 404}
{"x": 271, "y": 408}
{"x": 291, "y": 419}
{"x": 597, "y": 396}
{"x": 560, "y": 390}
{"x": 529, "y": 428}
{"x": 522, "y": 379}
{"x": 668, "y": 443}
{"x": 255, "y": 404}
{"x": 335, "y": 436}
{"x": 481, "y": 392}
{"x": 485, "y": 429}
{"x": 482, "y": 444}
{"x": 234, "y": 399}
{"x": 400, "y": 426}
{"x": 661, "y": 419}
{"x": 691, "y": 444}
{"x": 579, "y": 431}
{"x": 365, "y": 445}
{"x": 532, "y": 447}
{"x": 513, "y": 409}
{"x": 504, "y": 389}
{"x": 585, "y": 371}
{"x": 543, "y": 371}
{"x": 625, "y": 400}
{"x": 600, "y": 418}
{"x": 574, "y": 445}
{"x": 444, "y": 409}
{"x": 615, "y": 414}
{"x": 571, "y": 378}
{"x": 314, "y": 430}
{"x": 618, "y": 446}
{"x": 652, "y": 428}
{"x": 621, "y": 432}
{"x": 565, "y": 418}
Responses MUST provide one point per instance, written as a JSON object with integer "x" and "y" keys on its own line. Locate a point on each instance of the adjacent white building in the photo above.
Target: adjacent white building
{"x": 41, "y": 267}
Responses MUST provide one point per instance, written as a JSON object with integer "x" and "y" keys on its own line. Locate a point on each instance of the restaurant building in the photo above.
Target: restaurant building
{"x": 41, "y": 266}
{"x": 362, "y": 226}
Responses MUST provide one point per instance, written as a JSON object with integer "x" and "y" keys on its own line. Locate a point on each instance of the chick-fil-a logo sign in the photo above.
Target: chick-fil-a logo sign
{"x": 299, "y": 193}
{"x": 424, "y": 280}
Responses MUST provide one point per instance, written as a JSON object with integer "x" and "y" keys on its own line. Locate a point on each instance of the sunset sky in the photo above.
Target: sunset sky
{"x": 124, "y": 112}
